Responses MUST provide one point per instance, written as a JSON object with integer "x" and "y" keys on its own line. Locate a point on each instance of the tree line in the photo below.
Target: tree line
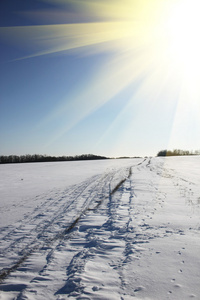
{"x": 177, "y": 152}
{"x": 5, "y": 159}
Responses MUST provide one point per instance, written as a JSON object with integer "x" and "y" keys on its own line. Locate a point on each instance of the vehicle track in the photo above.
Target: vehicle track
{"x": 54, "y": 219}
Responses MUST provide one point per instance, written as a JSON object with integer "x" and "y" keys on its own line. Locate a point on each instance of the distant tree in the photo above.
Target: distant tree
{"x": 44, "y": 158}
{"x": 162, "y": 153}
{"x": 177, "y": 152}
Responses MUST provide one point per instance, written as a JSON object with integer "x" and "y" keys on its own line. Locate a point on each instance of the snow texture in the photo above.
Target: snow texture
{"x": 117, "y": 229}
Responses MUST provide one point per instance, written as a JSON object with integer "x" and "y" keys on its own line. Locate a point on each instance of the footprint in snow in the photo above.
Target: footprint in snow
{"x": 180, "y": 271}
{"x": 170, "y": 292}
{"x": 139, "y": 289}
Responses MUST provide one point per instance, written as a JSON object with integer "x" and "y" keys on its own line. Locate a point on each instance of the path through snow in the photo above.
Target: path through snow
{"x": 92, "y": 241}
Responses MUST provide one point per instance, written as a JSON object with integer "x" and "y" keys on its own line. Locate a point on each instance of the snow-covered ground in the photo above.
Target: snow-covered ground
{"x": 113, "y": 229}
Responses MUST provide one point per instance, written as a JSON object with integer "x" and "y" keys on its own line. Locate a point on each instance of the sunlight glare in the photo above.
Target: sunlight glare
{"x": 154, "y": 45}
{"x": 183, "y": 25}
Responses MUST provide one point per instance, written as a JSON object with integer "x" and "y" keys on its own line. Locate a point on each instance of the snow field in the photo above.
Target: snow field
{"x": 140, "y": 242}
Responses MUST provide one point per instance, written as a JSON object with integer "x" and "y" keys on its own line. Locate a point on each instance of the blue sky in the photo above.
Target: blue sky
{"x": 102, "y": 77}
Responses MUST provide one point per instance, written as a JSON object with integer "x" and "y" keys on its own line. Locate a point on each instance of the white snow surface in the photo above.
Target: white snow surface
{"x": 112, "y": 229}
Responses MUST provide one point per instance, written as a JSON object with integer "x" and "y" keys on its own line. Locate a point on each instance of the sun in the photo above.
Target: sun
{"x": 183, "y": 26}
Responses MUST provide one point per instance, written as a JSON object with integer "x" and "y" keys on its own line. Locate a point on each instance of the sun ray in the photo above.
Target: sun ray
{"x": 150, "y": 40}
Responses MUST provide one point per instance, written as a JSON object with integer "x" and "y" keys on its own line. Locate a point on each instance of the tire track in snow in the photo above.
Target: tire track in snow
{"x": 105, "y": 251}
{"x": 37, "y": 217}
{"x": 31, "y": 240}
{"x": 116, "y": 240}
{"x": 114, "y": 235}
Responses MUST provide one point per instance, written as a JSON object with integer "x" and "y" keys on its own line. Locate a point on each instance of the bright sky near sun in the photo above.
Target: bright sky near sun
{"x": 109, "y": 77}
